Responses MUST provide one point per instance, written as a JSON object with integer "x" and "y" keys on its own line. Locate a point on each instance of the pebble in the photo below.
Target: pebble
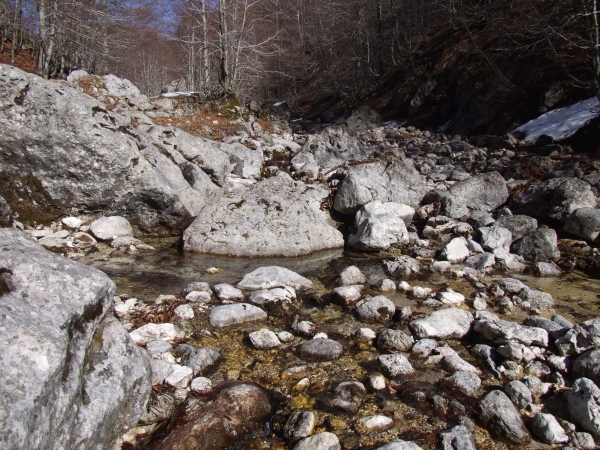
{"x": 184, "y": 312}
{"x": 377, "y": 382}
{"x": 387, "y": 285}
{"x": 264, "y": 339}
{"x": 228, "y": 292}
{"x": 300, "y": 425}
{"x": 321, "y": 441}
{"x": 519, "y": 393}
{"x": 374, "y": 423}
{"x": 201, "y": 385}
{"x": 395, "y": 365}
{"x": 225, "y": 315}
{"x": 365, "y": 334}
{"x": 321, "y": 349}
{"x": 285, "y": 336}
{"x": 180, "y": 378}
{"x": 450, "y": 297}
{"x": 376, "y": 309}
{"x": 351, "y": 276}
{"x": 392, "y": 341}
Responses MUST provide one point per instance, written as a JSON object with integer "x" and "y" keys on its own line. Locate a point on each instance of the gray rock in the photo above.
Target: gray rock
{"x": 582, "y": 337}
{"x": 154, "y": 332}
{"x": 468, "y": 383}
{"x": 537, "y": 299}
{"x": 395, "y": 365}
{"x": 562, "y": 321}
{"x": 200, "y": 360}
{"x": 456, "y": 250}
{"x": 397, "y": 182}
{"x": 380, "y": 226}
{"x": 275, "y": 217}
{"x": 201, "y": 385}
{"x": 347, "y": 296}
{"x": 160, "y": 370}
{"x": 443, "y": 324}
{"x": 225, "y": 315}
{"x": 480, "y": 262}
{"x": 588, "y": 365}
{"x": 376, "y": 309}
{"x": 584, "y": 223}
{"x": 501, "y": 331}
{"x": 557, "y": 198}
{"x": 125, "y": 241}
{"x": 511, "y": 285}
{"x": 536, "y": 386}
{"x": 502, "y": 419}
{"x": 392, "y": 341}
{"x": 346, "y": 396}
{"x": 457, "y": 438}
{"x": 321, "y": 350}
{"x": 484, "y": 192}
{"x": 516, "y": 352}
{"x": 198, "y": 286}
{"x": 495, "y": 237}
{"x": 546, "y": 269}
{"x": 554, "y": 329}
{"x": 321, "y": 441}
{"x": 53, "y": 128}
{"x": 519, "y": 225}
{"x": 400, "y": 445}
{"x": 582, "y": 440}
{"x": 5, "y": 213}
{"x": 371, "y": 424}
{"x": 77, "y": 380}
{"x": 299, "y": 425}
{"x": 547, "y": 428}
{"x": 228, "y": 292}
{"x": 584, "y": 406}
{"x": 363, "y": 119}
{"x": 273, "y": 277}
{"x": 454, "y": 363}
{"x": 246, "y": 163}
{"x": 351, "y": 276}
{"x": 423, "y": 347}
{"x": 108, "y": 228}
{"x": 157, "y": 348}
{"x": 539, "y": 245}
{"x": 519, "y": 393}
{"x": 264, "y": 339}
{"x": 402, "y": 266}
{"x": 277, "y": 301}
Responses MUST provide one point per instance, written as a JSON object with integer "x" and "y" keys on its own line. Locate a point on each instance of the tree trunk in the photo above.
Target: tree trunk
{"x": 224, "y": 44}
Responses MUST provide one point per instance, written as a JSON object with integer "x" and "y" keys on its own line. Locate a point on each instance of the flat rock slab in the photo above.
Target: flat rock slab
{"x": 274, "y": 277}
{"x": 275, "y": 217}
{"x": 321, "y": 349}
{"x": 225, "y": 315}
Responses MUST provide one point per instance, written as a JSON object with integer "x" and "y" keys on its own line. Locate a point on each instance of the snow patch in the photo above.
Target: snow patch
{"x": 178, "y": 94}
{"x": 561, "y": 123}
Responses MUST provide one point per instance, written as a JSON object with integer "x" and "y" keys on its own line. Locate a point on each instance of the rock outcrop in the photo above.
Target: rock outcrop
{"x": 63, "y": 153}
{"x": 72, "y": 377}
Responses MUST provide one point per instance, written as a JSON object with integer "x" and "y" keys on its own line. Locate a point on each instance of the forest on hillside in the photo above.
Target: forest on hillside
{"x": 300, "y": 50}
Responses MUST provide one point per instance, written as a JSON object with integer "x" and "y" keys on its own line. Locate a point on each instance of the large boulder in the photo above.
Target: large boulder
{"x": 275, "y": 217}
{"x": 539, "y": 245}
{"x": 584, "y": 223}
{"x": 397, "y": 181}
{"x": 483, "y": 192}
{"x": 557, "y": 198}
{"x": 73, "y": 377}
{"x": 380, "y": 225}
{"x": 64, "y": 153}
{"x": 584, "y": 405}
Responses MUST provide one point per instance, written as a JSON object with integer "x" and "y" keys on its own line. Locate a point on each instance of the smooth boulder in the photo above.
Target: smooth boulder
{"x": 275, "y": 217}
{"x": 379, "y": 226}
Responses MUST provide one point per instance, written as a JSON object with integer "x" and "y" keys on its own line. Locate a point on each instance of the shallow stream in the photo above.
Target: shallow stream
{"x": 167, "y": 271}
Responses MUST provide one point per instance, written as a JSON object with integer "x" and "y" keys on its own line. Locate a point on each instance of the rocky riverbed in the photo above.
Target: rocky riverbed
{"x": 364, "y": 286}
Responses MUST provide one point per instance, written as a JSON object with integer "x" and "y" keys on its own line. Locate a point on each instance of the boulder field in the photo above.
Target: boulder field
{"x": 447, "y": 340}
